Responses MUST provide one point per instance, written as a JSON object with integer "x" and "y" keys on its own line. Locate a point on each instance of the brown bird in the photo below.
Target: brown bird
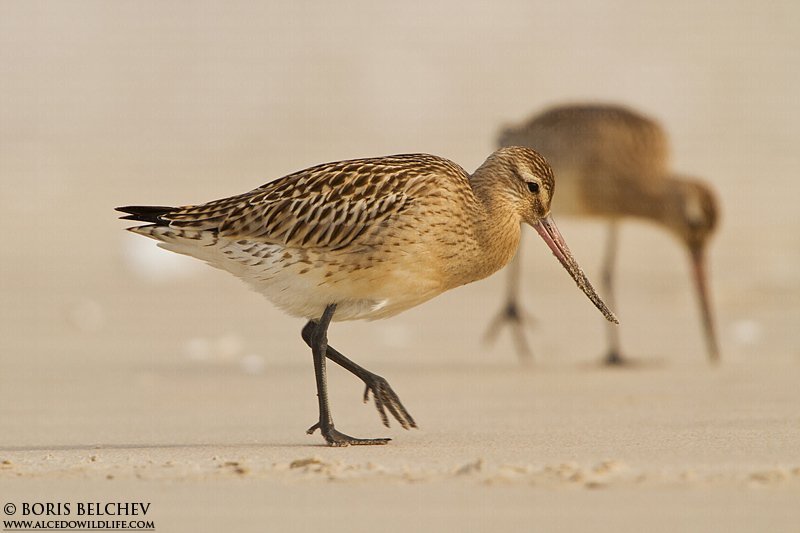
{"x": 612, "y": 164}
{"x": 367, "y": 239}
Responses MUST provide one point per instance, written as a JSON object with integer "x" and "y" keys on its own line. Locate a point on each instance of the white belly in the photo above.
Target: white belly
{"x": 303, "y": 282}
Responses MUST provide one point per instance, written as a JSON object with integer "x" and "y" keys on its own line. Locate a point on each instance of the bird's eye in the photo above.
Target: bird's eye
{"x": 533, "y": 187}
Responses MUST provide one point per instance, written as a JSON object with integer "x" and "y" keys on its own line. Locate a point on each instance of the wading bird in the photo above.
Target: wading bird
{"x": 367, "y": 239}
{"x": 612, "y": 164}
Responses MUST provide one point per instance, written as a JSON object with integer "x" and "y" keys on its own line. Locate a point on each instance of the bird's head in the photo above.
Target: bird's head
{"x": 692, "y": 214}
{"x": 526, "y": 183}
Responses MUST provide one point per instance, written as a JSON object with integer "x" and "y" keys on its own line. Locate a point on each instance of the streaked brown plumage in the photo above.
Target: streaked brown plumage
{"x": 613, "y": 163}
{"x": 367, "y": 239}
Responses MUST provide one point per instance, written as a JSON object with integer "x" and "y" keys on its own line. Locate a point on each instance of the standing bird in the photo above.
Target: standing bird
{"x": 367, "y": 239}
{"x": 612, "y": 164}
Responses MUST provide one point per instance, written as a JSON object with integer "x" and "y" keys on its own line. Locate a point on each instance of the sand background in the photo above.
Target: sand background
{"x": 130, "y": 374}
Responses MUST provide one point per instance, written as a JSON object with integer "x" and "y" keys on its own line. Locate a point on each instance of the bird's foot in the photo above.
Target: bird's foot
{"x": 336, "y": 438}
{"x": 614, "y": 358}
{"x": 514, "y": 313}
{"x": 516, "y": 317}
{"x": 386, "y": 399}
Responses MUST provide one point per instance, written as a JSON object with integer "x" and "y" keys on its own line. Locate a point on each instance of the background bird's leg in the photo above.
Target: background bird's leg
{"x": 613, "y": 357}
{"x": 512, "y": 313}
{"x": 315, "y": 333}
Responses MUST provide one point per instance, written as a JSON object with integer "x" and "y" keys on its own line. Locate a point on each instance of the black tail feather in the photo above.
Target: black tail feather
{"x": 146, "y": 213}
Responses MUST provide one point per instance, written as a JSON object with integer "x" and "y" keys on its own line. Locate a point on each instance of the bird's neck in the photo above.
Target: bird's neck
{"x": 496, "y": 229}
{"x": 650, "y": 200}
{"x": 661, "y": 202}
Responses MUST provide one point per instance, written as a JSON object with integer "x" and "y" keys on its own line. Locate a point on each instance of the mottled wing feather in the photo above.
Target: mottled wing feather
{"x": 328, "y": 206}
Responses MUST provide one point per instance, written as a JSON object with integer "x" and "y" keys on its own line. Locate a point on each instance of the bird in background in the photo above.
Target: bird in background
{"x": 612, "y": 165}
{"x": 367, "y": 239}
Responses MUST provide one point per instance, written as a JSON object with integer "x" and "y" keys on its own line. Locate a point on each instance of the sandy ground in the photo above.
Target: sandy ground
{"x": 131, "y": 375}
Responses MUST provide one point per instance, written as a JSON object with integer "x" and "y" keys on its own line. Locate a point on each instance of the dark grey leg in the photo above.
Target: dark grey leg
{"x": 315, "y": 334}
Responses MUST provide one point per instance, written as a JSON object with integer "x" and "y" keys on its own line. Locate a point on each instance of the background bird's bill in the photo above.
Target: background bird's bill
{"x": 699, "y": 274}
{"x": 547, "y": 229}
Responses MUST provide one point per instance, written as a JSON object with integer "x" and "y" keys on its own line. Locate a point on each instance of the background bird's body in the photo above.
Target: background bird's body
{"x": 612, "y": 164}
{"x": 610, "y": 161}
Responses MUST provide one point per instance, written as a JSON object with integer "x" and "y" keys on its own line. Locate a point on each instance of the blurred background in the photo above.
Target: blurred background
{"x": 115, "y": 103}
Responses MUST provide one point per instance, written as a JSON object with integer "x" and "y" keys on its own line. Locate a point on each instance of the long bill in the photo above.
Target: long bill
{"x": 701, "y": 285}
{"x": 549, "y": 232}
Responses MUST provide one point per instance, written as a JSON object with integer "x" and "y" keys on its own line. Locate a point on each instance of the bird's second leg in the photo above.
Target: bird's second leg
{"x": 315, "y": 333}
{"x": 512, "y": 313}
{"x": 613, "y": 356}
{"x": 382, "y": 393}
{"x": 385, "y": 398}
